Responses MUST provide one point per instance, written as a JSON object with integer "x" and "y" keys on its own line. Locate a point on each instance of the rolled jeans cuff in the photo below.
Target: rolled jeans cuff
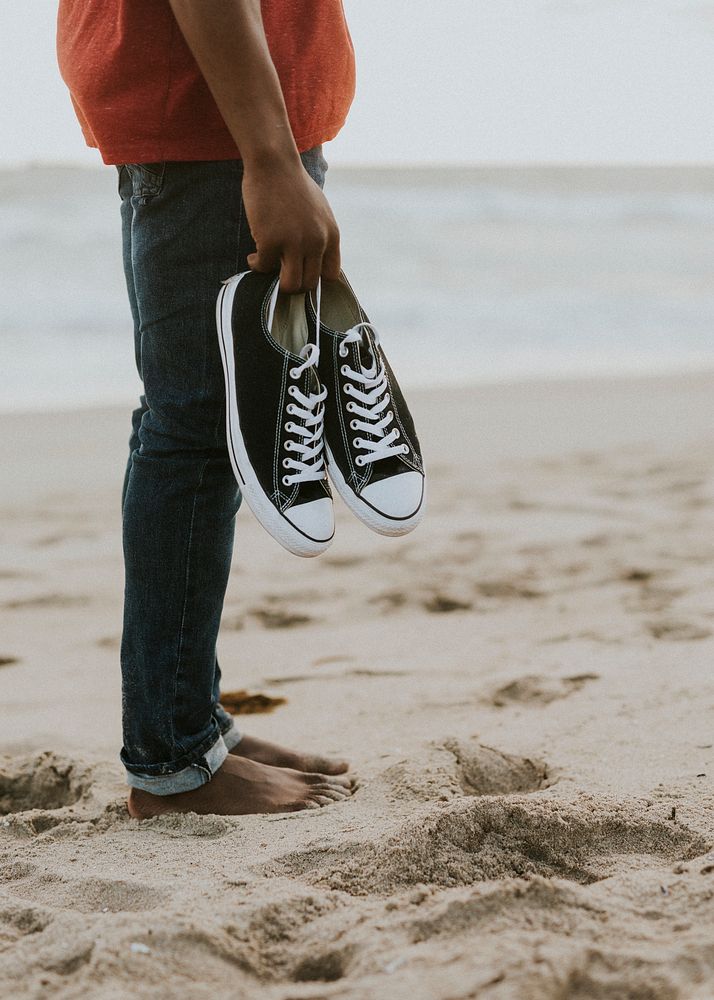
{"x": 187, "y": 778}
{"x": 231, "y": 737}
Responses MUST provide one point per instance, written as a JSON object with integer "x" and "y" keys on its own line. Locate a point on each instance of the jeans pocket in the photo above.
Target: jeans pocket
{"x": 147, "y": 179}
{"x": 120, "y": 178}
{"x": 315, "y": 164}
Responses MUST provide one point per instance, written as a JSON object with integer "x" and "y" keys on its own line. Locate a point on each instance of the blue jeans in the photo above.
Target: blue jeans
{"x": 184, "y": 231}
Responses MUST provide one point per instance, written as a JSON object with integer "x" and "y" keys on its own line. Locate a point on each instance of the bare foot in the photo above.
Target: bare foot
{"x": 242, "y": 786}
{"x": 271, "y": 753}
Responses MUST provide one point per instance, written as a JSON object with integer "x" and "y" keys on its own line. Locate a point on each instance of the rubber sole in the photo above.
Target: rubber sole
{"x": 274, "y": 522}
{"x": 378, "y": 522}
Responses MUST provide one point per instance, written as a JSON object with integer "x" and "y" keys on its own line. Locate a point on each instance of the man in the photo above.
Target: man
{"x": 214, "y": 115}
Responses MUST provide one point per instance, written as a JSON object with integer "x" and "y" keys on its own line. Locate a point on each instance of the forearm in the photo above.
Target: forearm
{"x": 227, "y": 40}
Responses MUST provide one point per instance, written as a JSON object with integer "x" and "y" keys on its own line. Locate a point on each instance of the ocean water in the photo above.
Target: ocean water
{"x": 470, "y": 275}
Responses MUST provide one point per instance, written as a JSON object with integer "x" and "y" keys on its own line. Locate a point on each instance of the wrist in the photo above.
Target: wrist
{"x": 271, "y": 154}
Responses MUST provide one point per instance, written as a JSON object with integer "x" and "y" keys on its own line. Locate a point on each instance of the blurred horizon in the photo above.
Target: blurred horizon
{"x": 471, "y": 275}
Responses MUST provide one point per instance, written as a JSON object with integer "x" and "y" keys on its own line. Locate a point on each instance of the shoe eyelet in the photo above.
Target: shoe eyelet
{"x": 359, "y": 461}
{"x": 343, "y": 352}
{"x": 354, "y": 425}
{"x": 347, "y": 388}
{"x": 344, "y": 369}
{"x": 350, "y": 407}
{"x": 290, "y": 408}
{"x": 294, "y": 373}
{"x": 286, "y": 463}
{"x": 405, "y": 449}
{"x": 286, "y": 480}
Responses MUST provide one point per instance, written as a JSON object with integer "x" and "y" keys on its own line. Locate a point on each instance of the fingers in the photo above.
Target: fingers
{"x": 331, "y": 260}
{"x": 311, "y": 270}
{"x": 298, "y": 272}
{"x": 291, "y": 274}
{"x": 264, "y": 261}
{"x": 290, "y": 266}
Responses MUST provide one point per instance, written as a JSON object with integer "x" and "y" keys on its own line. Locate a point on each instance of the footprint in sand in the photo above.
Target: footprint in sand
{"x": 275, "y": 618}
{"x": 588, "y": 634}
{"x": 91, "y": 895}
{"x": 18, "y": 920}
{"x": 42, "y": 792}
{"x": 443, "y": 604}
{"x": 44, "y": 781}
{"x": 327, "y": 967}
{"x": 456, "y": 768}
{"x": 535, "y": 689}
{"x": 12, "y": 871}
{"x": 435, "y": 603}
{"x": 343, "y": 562}
{"x": 244, "y": 703}
{"x": 507, "y": 590}
{"x": 58, "y": 539}
{"x": 109, "y": 642}
{"x": 46, "y": 601}
{"x": 324, "y": 676}
{"x": 390, "y": 600}
{"x": 483, "y": 770}
{"x": 678, "y": 631}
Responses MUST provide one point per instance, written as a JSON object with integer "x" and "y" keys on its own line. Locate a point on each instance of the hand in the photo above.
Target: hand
{"x": 293, "y": 226}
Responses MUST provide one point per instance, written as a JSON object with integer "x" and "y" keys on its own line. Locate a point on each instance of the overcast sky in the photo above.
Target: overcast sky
{"x": 457, "y": 81}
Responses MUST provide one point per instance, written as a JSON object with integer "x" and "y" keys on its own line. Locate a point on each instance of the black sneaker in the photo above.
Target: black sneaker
{"x": 373, "y": 455}
{"x": 275, "y": 410}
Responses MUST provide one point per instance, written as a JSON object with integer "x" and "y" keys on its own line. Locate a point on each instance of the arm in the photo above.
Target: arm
{"x": 291, "y": 221}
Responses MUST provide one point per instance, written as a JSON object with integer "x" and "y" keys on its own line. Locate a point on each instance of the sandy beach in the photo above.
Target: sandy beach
{"x": 524, "y": 687}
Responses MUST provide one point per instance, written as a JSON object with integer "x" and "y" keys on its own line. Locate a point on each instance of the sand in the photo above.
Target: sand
{"x": 524, "y": 686}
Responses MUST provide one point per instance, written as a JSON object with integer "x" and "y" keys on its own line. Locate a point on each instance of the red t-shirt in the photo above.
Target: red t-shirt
{"x": 140, "y": 96}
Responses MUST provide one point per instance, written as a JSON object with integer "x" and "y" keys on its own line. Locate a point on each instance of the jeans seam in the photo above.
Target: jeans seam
{"x": 185, "y": 596}
{"x": 140, "y": 331}
{"x": 241, "y": 212}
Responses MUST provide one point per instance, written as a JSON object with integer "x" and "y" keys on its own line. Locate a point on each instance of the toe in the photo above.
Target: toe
{"x": 331, "y": 779}
{"x": 333, "y": 793}
{"x": 323, "y": 800}
{"x": 326, "y": 766}
{"x": 338, "y": 790}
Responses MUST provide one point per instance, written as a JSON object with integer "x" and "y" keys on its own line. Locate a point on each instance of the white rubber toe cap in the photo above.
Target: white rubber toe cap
{"x": 315, "y": 519}
{"x": 397, "y": 496}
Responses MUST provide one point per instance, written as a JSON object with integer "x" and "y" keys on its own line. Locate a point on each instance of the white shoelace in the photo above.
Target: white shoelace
{"x": 307, "y": 443}
{"x": 371, "y": 403}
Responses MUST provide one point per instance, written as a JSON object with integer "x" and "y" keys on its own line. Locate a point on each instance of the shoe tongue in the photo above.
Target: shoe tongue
{"x": 365, "y": 357}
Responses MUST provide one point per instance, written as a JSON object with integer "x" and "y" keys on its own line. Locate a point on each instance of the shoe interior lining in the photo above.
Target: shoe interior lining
{"x": 338, "y": 309}
{"x": 290, "y": 323}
